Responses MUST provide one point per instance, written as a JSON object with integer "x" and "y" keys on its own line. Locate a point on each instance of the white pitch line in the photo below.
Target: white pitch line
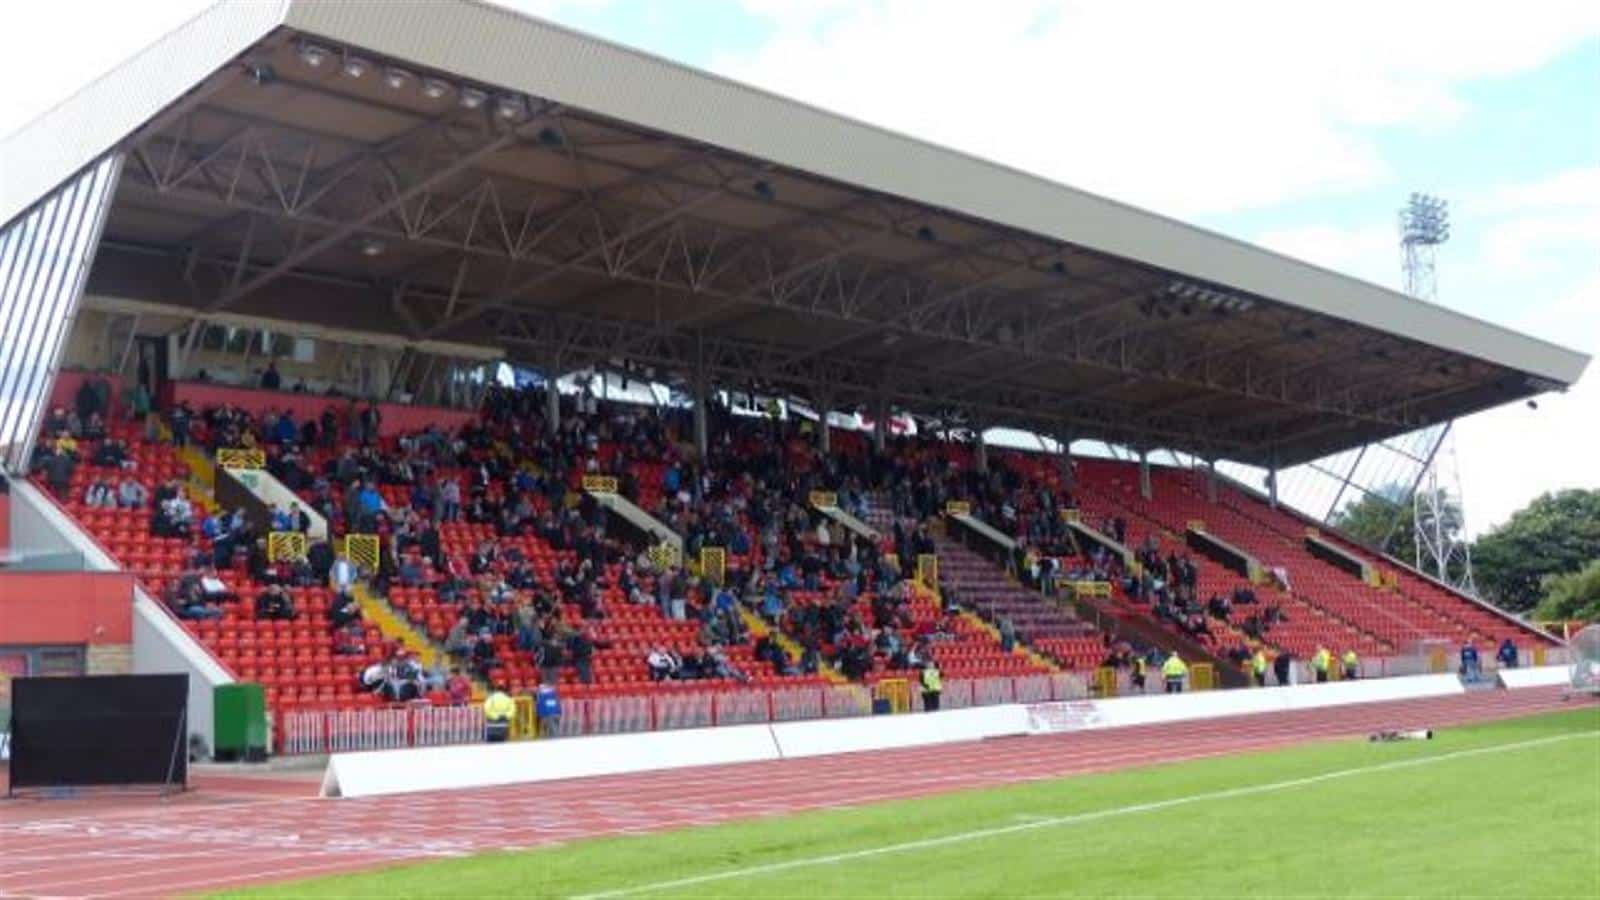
{"x": 1075, "y": 819}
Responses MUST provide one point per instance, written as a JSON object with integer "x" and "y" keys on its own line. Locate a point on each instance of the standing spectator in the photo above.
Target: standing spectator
{"x": 458, "y": 687}
{"x": 1258, "y": 667}
{"x": 547, "y": 703}
{"x": 1471, "y": 665}
{"x": 1173, "y": 672}
{"x": 932, "y": 686}
{"x": 498, "y": 708}
{"x": 1507, "y": 655}
{"x": 1320, "y": 661}
{"x": 1283, "y": 668}
{"x": 1352, "y": 665}
{"x": 581, "y": 649}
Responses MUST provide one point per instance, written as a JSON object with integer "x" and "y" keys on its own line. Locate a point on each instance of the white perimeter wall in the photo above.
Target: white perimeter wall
{"x": 402, "y": 771}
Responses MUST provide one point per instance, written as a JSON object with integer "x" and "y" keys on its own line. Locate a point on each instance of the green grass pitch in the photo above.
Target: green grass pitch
{"x": 1504, "y": 810}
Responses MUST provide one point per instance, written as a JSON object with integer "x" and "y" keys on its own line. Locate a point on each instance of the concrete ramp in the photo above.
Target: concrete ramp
{"x": 989, "y": 532}
{"x": 268, "y": 493}
{"x": 628, "y": 511}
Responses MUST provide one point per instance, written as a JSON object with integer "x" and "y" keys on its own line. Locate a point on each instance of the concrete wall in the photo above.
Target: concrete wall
{"x": 474, "y": 765}
{"x": 159, "y": 643}
{"x": 162, "y": 646}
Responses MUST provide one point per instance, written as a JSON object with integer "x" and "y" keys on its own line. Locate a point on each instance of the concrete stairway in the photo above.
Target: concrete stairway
{"x": 986, "y": 588}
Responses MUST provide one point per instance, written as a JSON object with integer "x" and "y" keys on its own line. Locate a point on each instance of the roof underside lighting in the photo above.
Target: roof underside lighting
{"x": 396, "y": 78}
{"x": 434, "y": 88}
{"x": 1220, "y": 302}
{"x": 355, "y": 66}
{"x": 510, "y": 107}
{"x": 472, "y": 98}
{"x": 315, "y": 55}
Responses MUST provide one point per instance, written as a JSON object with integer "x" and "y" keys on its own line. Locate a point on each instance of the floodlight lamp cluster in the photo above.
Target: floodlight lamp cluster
{"x": 508, "y": 107}
{"x": 1425, "y": 220}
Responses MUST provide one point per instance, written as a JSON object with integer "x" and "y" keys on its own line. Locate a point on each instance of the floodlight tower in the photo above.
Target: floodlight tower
{"x": 1439, "y": 518}
{"x": 1424, "y": 225}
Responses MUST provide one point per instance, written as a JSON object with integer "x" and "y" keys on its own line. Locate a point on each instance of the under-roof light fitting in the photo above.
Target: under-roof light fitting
{"x": 356, "y": 67}
{"x": 260, "y": 73}
{"x": 396, "y": 78}
{"x": 435, "y": 88}
{"x": 510, "y": 107}
{"x": 371, "y": 246}
{"x": 472, "y": 98}
{"x": 315, "y": 55}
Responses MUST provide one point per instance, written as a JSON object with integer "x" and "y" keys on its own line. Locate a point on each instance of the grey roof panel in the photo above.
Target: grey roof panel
{"x": 45, "y": 152}
{"x": 500, "y": 47}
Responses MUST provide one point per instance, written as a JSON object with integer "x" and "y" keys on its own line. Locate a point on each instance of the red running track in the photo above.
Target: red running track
{"x": 234, "y": 830}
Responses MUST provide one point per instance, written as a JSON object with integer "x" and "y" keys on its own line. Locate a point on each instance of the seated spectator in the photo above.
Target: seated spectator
{"x": 663, "y": 663}
{"x": 351, "y": 640}
{"x": 373, "y": 678}
{"x": 131, "y": 494}
{"x": 274, "y": 603}
{"x": 343, "y": 611}
{"x": 112, "y": 454}
{"x": 100, "y": 495}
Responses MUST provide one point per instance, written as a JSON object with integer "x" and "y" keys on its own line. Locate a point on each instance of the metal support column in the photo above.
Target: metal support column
{"x": 824, "y": 442}
{"x": 1144, "y": 474}
{"x": 701, "y": 413}
{"x": 880, "y": 424}
{"x": 1068, "y": 478}
{"x": 1211, "y": 480}
{"x": 700, "y": 416}
{"x": 980, "y": 448}
{"x": 552, "y": 397}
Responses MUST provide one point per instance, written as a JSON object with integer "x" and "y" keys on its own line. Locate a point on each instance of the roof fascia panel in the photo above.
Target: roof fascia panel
{"x": 503, "y": 48}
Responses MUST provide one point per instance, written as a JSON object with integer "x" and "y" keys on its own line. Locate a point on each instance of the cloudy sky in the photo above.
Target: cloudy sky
{"x": 1295, "y": 126}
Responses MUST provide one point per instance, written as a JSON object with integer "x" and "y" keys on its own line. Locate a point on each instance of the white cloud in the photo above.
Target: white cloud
{"x": 47, "y": 53}
{"x": 1187, "y": 108}
{"x": 1571, "y": 188}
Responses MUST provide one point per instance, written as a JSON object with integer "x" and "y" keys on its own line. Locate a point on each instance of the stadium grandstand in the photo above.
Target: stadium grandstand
{"x": 389, "y": 356}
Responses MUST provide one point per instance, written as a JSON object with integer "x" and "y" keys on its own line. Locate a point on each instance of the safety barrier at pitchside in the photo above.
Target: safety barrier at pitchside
{"x": 325, "y": 731}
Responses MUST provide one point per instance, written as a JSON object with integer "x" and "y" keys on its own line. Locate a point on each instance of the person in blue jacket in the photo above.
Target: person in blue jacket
{"x": 1507, "y": 654}
{"x": 547, "y": 705}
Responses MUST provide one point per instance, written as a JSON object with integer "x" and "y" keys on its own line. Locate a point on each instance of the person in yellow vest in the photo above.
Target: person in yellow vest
{"x": 932, "y": 686}
{"x": 1258, "y": 667}
{"x": 1352, "y": 665}
{"x": 1140, "y": 668}
{"x": 1174, "y": 671}
{"x": 498, "y": 708}
{"x": 1320, "y": 662}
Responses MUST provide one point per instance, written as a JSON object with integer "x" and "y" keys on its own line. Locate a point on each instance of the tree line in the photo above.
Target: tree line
{"x": 1544, "y": 561}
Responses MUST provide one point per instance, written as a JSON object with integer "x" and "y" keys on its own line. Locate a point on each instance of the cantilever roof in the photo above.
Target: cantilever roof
{"x": 1003, "y": 230}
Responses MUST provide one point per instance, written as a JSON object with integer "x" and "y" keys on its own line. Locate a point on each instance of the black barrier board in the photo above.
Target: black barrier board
{"x": 100, "y": 730}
